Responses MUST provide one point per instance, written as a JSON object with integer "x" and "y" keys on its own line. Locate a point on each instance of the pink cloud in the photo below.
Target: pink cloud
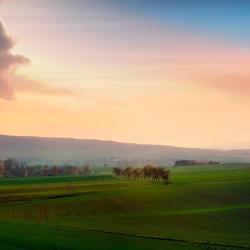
{"x": 26, "y": 85}
{"x": 8, "y": 62}
{"x": 11, "y": 83}
{"x": 236, "y": 83}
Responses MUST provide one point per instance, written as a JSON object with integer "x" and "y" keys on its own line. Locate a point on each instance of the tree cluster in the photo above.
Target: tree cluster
{"x": 13, "y": 168}
{"x": 148, "y": 172}
{"x": 194, "y": 163}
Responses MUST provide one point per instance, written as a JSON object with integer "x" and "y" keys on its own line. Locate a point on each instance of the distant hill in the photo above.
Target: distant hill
{"x": 42, "y": 150}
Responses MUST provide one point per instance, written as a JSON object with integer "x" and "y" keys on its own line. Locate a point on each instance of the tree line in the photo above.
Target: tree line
{"x": 194, "y": 163}
{"x": 14, "y": 168}
{"x": 148, "y": 172}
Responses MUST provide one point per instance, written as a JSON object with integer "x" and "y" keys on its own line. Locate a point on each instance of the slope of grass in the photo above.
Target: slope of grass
{"x": 23, "y": 236}
{"x": 200, "y": 205}
{"x": 52, "y": 179}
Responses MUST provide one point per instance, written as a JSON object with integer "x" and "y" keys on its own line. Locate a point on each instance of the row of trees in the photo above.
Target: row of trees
{"x": 194, "y": 163}
{"x": 13, "y": 168}
{"x": 148, "y": 172}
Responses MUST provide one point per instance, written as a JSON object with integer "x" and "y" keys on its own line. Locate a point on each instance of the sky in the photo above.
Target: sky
{"x": 156, "y": 72}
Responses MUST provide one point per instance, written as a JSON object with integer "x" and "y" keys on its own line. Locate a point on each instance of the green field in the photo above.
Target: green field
{"x": 204, "y": 207}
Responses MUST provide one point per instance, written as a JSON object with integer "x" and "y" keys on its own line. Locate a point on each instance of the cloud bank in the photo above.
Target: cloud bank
{"x": 8, "y": 62}
{"x": 10, "y": 83}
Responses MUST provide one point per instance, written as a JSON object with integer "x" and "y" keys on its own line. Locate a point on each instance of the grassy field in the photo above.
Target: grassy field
{"x": 205, "y": 207}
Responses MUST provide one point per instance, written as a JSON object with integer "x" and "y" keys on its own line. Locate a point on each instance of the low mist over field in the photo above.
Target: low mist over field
{"x": 38, "y": 150}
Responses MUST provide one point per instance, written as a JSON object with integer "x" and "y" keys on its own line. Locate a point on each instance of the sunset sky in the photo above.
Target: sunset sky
{"x": 159, "y": 72}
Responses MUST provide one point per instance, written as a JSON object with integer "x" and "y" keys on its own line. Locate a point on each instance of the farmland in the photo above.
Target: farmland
{"x": 204, "y": 207}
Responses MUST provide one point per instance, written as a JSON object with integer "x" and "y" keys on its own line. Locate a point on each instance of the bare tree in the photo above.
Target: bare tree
{"x": 136, "y": 173}
{"x": 2, "y": 169}
{"x": 117, "y": 171}
{"x": 86, "y": 169}
{"x": 127, "y": 172}
{"x": 11, "y": 168}
{"x": 166, "y": 176}
{"x": 148, "y": 172}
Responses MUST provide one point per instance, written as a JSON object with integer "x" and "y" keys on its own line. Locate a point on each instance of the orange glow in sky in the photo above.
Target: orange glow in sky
{"x": 111, "y": 73}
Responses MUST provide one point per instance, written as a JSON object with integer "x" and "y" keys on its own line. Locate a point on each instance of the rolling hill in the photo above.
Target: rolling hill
{"x": 41, "y": 150}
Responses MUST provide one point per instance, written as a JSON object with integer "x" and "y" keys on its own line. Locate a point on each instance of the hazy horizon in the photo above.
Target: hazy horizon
{"x": 148, "y": 72}
{"x": 131, "y": 142}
